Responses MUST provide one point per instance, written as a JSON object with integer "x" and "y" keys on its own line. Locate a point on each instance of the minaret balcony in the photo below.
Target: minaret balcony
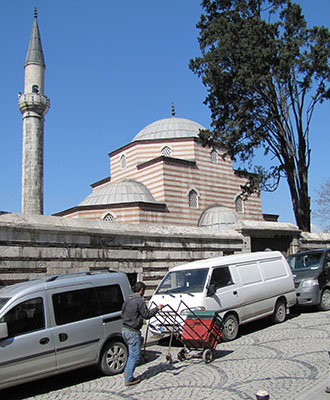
{"x": 34, "y": 102}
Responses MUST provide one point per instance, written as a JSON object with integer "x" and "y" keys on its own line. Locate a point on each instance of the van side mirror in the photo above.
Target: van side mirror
{"x": 3, "y": 330}
{"x": 211, "y": 290}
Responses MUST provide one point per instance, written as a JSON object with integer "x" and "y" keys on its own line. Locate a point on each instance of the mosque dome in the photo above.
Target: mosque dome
{"x": 218, "y": 216}
{"x": 127, "y": 191}
{"x": 169, "y": 128}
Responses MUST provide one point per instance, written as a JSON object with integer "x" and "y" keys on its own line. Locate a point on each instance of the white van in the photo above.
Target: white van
{"x": 62, "y": 322}
{"x": 241, "y": 287}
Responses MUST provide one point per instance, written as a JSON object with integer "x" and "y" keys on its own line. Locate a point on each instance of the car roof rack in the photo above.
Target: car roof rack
{"x": 70, "y": 275}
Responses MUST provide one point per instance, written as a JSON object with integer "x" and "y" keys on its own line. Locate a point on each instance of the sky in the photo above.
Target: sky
{"x": 112, "y": 68}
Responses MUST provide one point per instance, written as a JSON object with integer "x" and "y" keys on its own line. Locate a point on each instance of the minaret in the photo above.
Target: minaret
{"x": 33, "y": 105}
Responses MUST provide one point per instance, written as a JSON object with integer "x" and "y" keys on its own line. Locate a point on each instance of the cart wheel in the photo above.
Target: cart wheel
{"x": 207, "y": 356}
{"x": 182, "y": 355}
{"x": 169, "y": 358}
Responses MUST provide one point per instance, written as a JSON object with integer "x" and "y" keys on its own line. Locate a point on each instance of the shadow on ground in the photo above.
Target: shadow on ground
{"x": 61, "y": 381}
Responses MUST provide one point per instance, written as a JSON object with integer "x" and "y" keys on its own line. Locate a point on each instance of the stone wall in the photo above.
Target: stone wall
{"x": 308, "y": 241}
{"x": 31, "y": 246}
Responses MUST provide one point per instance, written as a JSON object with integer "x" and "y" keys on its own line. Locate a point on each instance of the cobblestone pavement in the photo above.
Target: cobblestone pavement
{"x": 286, "y": 360}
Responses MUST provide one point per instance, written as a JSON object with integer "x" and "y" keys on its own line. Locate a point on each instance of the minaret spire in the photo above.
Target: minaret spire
{"x": 35, "y": 53}
{"x": 33, "y": 105}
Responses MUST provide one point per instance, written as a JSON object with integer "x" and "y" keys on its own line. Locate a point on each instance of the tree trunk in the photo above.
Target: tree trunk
{"x": 298, "y": 185}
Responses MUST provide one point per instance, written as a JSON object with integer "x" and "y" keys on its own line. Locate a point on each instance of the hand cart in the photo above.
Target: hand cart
{"x": 196, "y": 330}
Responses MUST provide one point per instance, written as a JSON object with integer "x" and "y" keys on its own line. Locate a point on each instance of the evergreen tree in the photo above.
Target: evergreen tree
{"x": 265, "y": 71}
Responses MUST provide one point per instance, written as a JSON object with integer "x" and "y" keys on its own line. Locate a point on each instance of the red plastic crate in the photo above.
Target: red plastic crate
{"x": 199, "y": 333}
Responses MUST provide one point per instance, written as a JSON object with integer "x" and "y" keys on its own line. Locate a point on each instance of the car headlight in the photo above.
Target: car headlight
{"x": 186, "y": 311}
{"x": 309, "y": 282}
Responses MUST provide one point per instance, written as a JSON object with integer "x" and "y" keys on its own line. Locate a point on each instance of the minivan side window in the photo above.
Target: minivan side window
{"x": 27, "y": 316}
{"x": 77, "y": 305}
{"x": 74, "y": 305}
{"x": 221, "y": 277}
{"x": 110, "y": 298}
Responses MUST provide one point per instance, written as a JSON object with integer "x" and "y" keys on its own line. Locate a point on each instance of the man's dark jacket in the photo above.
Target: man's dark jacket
{"x": 134, "y": 311}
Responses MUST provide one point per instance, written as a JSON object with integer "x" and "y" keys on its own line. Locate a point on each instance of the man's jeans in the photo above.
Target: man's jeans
{"x": 133, "y": 341}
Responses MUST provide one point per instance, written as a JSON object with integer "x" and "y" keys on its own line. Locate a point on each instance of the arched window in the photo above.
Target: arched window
{"x": 109, "y": 217}
{"x": 35, "y": 89}
{"x": 123, "y": 161}
{"x": 193, "y": 199}
{"x": 166, "y": 151}
{"x": 214, "y": 156}
{"x": 239, "y": 205}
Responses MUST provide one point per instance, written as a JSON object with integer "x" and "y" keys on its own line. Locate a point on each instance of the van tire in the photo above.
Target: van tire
{"x": 230, "y": 328}
{"x": 279, "y": 312}
{"x": 325, "y": 300}
{"x": 113, "y": 358}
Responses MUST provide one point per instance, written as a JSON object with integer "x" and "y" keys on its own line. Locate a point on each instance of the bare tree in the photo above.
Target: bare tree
{"x": 322, "y": 210}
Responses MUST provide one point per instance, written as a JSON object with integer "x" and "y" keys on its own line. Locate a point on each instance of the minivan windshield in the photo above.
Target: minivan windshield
{"x": 3, "y": 301}
{"x": 183, "y": 281}
{"x": 304, "y": 262}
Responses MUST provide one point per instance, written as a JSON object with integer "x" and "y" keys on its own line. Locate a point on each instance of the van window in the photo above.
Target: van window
{"x": 26, "y": 317}
{"x": 74, "y": 305}
{"x": 249, "y": 273}
{"x": 221, "y": 277}
{"x": 110, "y": 298}
{"x": 184, "y": 281}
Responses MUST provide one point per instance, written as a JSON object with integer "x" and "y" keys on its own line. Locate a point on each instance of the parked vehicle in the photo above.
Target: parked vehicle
{"x": 59, "y": 323}
{"x": 311, "y": 272}
{"x": 241, "y": 287}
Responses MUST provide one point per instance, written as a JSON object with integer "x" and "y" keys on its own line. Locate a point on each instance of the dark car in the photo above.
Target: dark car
{"x": 311, "y": 272}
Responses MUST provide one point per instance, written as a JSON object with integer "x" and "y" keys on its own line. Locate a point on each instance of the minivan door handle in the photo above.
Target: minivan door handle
{"x": 63, "y": 337}
{"x": 44, "y": 340}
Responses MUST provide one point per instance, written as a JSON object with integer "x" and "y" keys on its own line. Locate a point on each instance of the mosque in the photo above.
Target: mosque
{"x": 163, "y": 176}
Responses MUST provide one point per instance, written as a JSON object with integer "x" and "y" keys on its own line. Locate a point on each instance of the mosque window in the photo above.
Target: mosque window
{"x": 214, "y": 156}
{"x": 193, "y": 199}
{"x": 123, "y": 161}
{"x": 166, "y": 152}
{"x": 239, "y": 206}
{"x": 109, "y": 217}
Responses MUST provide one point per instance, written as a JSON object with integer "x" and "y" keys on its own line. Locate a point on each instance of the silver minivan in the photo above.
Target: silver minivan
{"x": 58, "y": 323}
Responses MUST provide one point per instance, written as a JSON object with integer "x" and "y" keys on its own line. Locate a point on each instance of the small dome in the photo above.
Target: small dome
{"x": 169, "y": 128}
{"x": 127, "y": 191}
{"x": 218, "y": 216}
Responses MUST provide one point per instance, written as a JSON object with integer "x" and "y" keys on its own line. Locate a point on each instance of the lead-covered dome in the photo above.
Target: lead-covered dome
{"x": 218, "y": 216}
{"x": 128, "y": 191}
{"x": 169, "y": 128}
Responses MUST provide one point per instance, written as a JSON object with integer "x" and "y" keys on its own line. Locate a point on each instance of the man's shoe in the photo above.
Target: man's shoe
{"x": 133, "y": 382}
{"x": 327, "y": 389}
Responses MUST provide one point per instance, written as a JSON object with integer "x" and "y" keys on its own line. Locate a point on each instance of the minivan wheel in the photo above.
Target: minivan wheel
{"x": 113, "y": 358}
{"x": 280, "y": 312}
{"x": 325, "y": 300}
{"x": 230, "y": 328}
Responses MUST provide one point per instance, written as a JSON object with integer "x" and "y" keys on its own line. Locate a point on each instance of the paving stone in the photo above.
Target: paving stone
{"x": 285, "y": 359}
